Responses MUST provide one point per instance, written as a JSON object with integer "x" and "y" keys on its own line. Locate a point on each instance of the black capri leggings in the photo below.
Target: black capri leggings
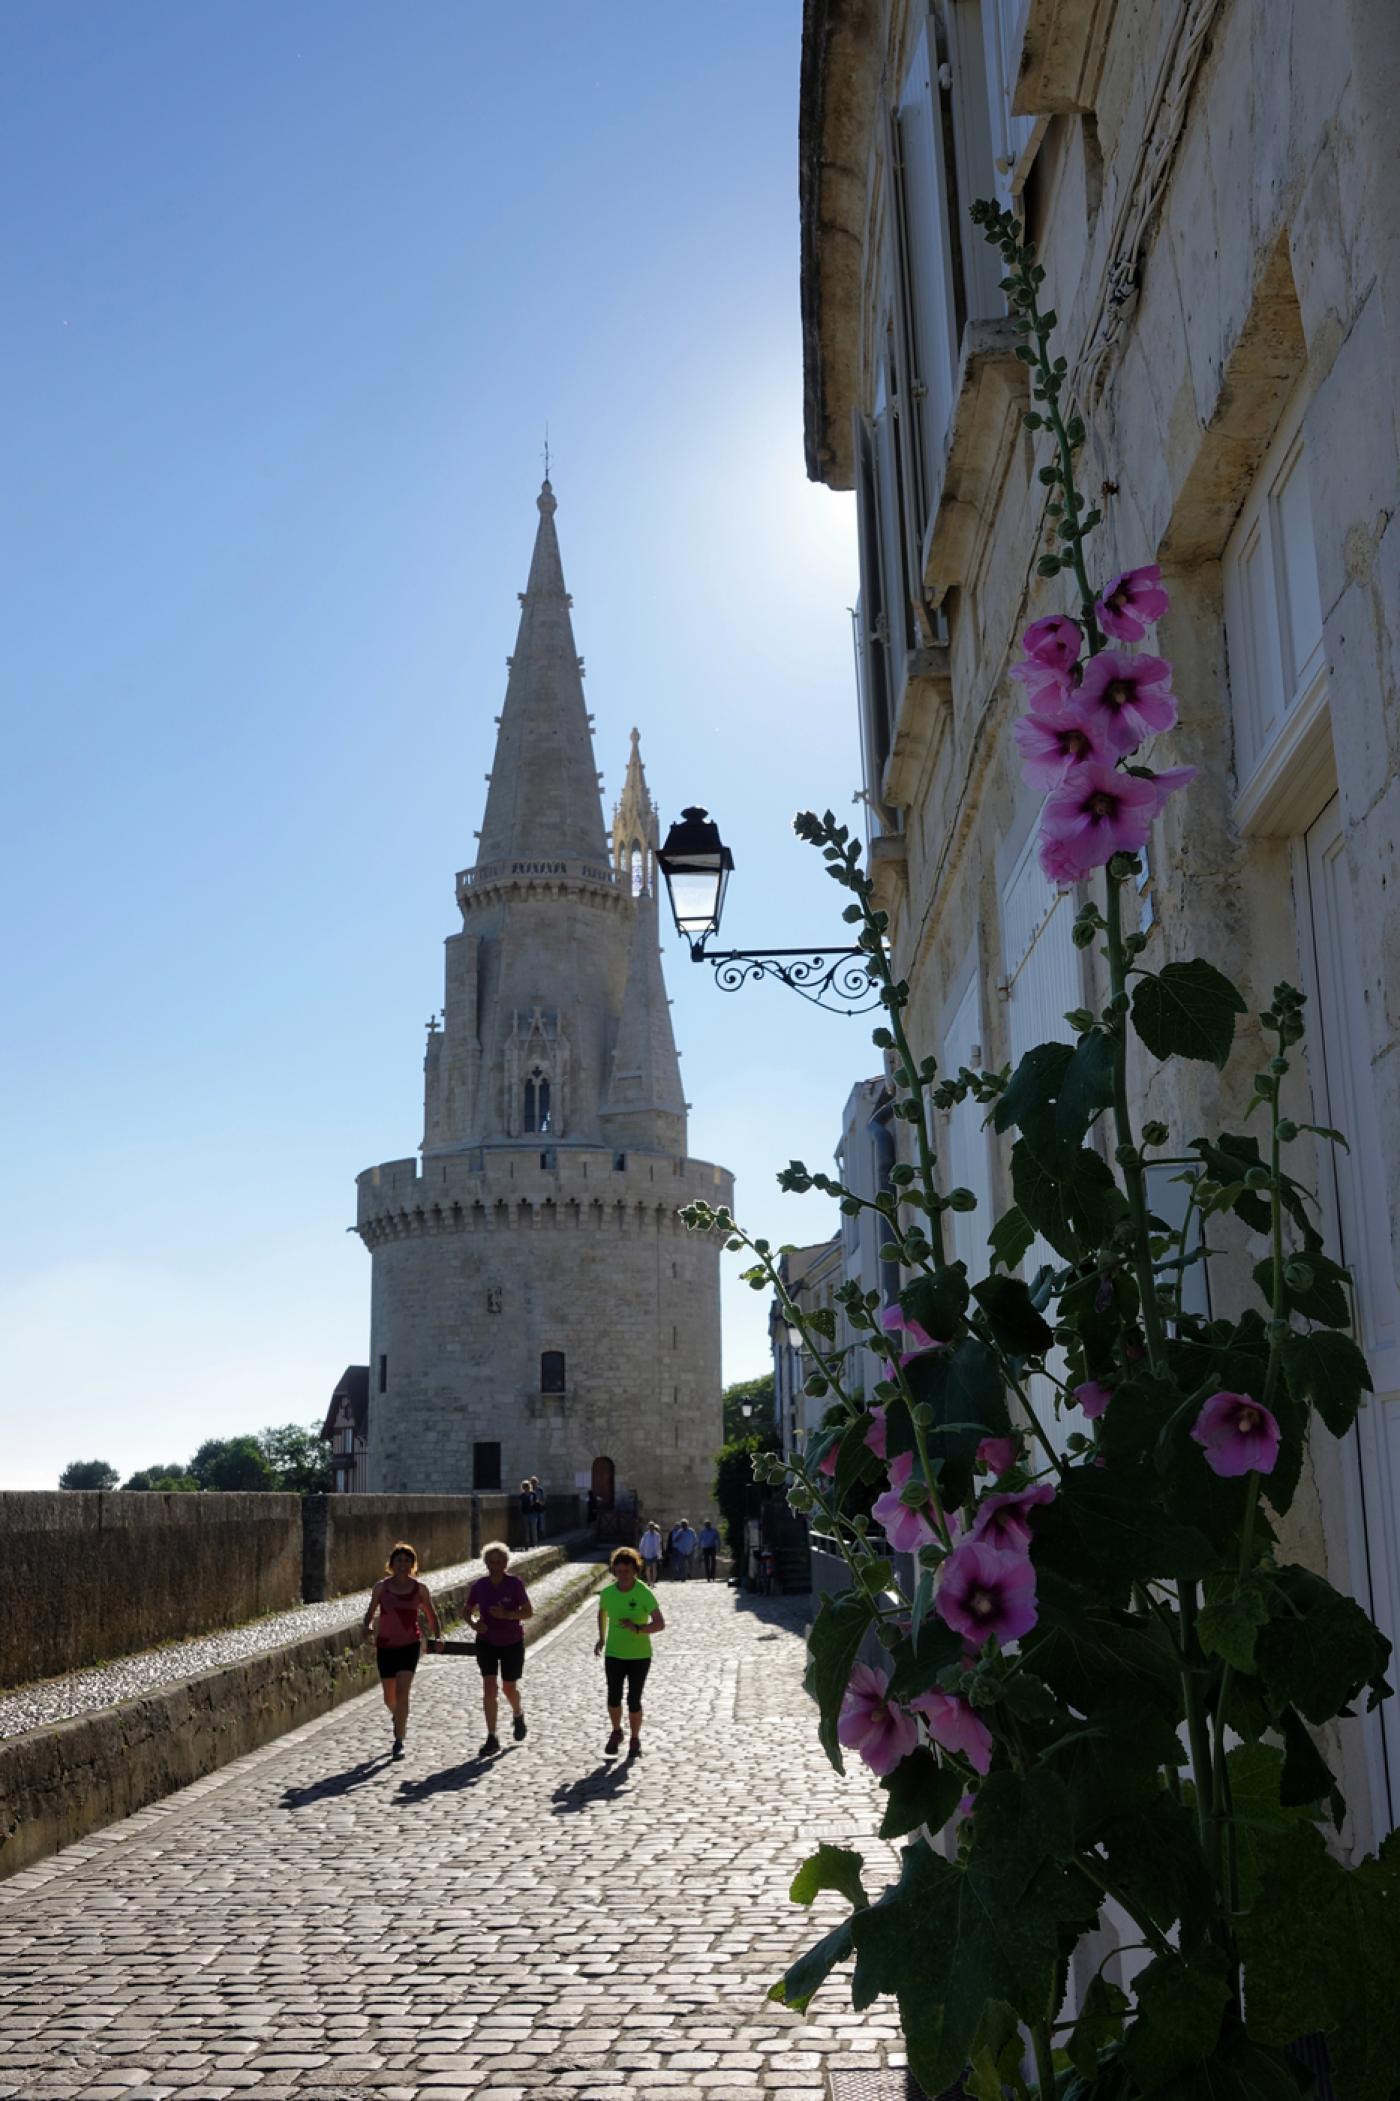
{"x": 628, "y": 1670}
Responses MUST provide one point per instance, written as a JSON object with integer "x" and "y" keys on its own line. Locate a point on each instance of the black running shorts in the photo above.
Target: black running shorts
{"x": 393, "y": 1660}
{"x": 510, "y": 1662}
{"x": 630, "y": 1671}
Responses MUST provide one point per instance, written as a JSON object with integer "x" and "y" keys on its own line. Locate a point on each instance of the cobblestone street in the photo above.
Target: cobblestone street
{"x": 315, "y": 1920}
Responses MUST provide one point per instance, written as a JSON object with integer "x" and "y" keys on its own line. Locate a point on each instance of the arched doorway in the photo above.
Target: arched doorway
{"x": 604, "y": 1484}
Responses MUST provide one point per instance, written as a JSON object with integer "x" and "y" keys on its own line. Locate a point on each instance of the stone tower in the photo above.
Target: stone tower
{"x": 537, "y": 1308}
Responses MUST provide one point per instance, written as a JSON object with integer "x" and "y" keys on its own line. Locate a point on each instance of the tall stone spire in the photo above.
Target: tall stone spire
{"x": 544, "y": 803}
{"x": 645, "y": 1103}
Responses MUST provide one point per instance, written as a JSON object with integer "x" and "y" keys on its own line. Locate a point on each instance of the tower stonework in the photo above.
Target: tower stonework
{"x": 536, "y": 1306}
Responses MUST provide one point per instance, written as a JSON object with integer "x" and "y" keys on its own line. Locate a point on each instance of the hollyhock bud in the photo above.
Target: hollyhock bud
{"x": 1127, "y": 698}
{"x": 1239, "y": 1435}
{"x": 998, "y": 1454}
{"x": 872, "y": 1725}
{"x": 1050, "y": 743}
{"x": 1002, "y": 1520}
{"x": 956, "y": 1725}
{"x": 1093, "y": 1397}
{"x": 1131, "y": 602}
{"x": 906, "y": 1529}
{"x": 982, "y": 1593}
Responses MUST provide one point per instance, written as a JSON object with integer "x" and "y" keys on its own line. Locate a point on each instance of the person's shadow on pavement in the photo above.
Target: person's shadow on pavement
{"x": 598, "y": 1786}
{"x": 333, "y": 1784}
{"x": 450, "y": 1780}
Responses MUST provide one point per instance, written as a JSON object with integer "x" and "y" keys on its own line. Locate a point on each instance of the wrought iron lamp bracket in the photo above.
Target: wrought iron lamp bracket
{"x": 825, "y": 977}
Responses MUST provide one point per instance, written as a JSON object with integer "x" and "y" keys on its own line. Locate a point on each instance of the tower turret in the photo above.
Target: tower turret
{"x": 645, "y": 1102}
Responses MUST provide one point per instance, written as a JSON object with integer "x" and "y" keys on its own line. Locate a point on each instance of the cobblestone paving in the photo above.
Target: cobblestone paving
{"x": 316, "y": 1921}
{"x": 51, "y": 1700}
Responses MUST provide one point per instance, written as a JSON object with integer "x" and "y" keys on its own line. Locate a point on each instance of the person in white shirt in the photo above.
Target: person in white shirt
{"x": 649, "y": 1546}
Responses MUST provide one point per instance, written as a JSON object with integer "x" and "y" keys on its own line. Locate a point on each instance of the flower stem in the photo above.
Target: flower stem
{"x": 1043, "y": 2047}
{"x": 1128, "y": 1157}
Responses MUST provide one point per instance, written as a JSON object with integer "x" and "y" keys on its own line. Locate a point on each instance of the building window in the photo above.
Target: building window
{"x": 549, "y": 1159}
{"x": 619, "y": 1163}
{"x": 552, "y": 1371}
{"x": 486, "y": 1469}
{"x": 537, "y": 1099}
{"x": 383, "y": 1374}
{"x": 493, "y": 1298}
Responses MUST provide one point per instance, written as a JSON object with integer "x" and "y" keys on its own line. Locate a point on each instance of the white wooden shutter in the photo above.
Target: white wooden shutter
{"x": 966, "y": 1163}
{"x": 1003, "y": 32}
{"x": 927, "y": 247}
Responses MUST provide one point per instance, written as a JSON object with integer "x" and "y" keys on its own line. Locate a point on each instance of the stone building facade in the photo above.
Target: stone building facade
{"x": 537, "y": 1307}
{"x": 1214, "y": 187}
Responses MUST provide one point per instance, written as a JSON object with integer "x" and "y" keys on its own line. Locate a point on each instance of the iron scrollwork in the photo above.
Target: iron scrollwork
{"x": 824, "y": 977}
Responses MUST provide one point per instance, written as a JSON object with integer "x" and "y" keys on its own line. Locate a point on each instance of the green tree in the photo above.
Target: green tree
{"x": 300, "y": 1459}
{"x": 88, "y": 1473}
{"x": 734, "y": 1474}
{"x": 757, "y": 1396}
{"x": 230, "y": 1463}
{"x": 167, "y": 1480}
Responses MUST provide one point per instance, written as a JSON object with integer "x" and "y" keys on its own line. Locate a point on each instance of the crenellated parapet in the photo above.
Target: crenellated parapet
{"x": 513, "y": 1190}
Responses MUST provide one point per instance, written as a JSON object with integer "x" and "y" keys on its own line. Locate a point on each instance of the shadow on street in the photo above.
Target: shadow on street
{"x": 333, "y": 1784}
{"x": 598, "y": 1786}
{"x": 449, "y": 1781}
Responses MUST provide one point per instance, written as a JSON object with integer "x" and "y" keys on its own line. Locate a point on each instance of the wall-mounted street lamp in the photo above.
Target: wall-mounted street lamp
{"x": 697, "y": 866}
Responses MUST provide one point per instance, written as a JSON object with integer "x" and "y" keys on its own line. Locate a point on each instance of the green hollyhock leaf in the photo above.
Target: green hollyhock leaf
{"x": 1115, "y": 1761}
{"x": 800, "y": 1981}
{"x": 1106, "y": 1529}
{"x": 1238, "y": 2071}
{"x": 915, "y": 1669}
{"x": 1033, "y": 1086}
{"x": 1321, "y": 1949}
{"x": 920, "y": 1791}
{"x": 1085, "y": 1091}
{"x": 963, "y": 1386}
{"x": 1155, "y": 1858}
{"x": 1281, "y": 1485}
{"x": 1180, "y": 2005}
{"x": 1330, "y": 1371}
{"x": 949, "y": 1938}
{"x": 830, "y": 1867}
{"x": 1083, "y": 1650}
{"x": 1074, "y": 1202}
{"x": 1010, "y": 1239}
{"x": 937, "y": 1302}
{"x": 1099, "y": 2025}
{"x": 1326, "y": 1299}
{"x": 994, "y": 2056}
{"x": 1187, "y": 1011}
{"x": 854, "y": 1459}
{"x": 1235, "y": 1608}
{"x": 1258, "y": 1812}
{"x": 1319, "y": 1650}
{"x": 1307, "y": 1777}
{"x": 1013, "y": 1319}
{"x": 837, "y": 1633}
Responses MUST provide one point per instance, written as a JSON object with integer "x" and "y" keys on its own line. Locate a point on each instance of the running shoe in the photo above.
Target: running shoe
{"x": 634, "y": 1750}
{"x": 398, "y": 1747}
{"x": 489, "y": 1749}
{"x": 517, "y": 1728}
{"x": 613, "y": 1744}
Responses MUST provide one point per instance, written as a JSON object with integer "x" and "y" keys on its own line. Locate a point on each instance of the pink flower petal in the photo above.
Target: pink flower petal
{"x": 1093, "y": 1397}
{"x": 1131, "y": 602}
{"x": 1238, "y": 1434}
{"x": 955, "y": 1724}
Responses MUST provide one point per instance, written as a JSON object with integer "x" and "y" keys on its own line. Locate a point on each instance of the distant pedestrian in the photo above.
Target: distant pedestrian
{"x": 709, "y": 1548}
{"x": 526, "y": 1506}
{"x": 401, "y": 1601}
{"x": 540, "y": 1504}
{"x": 498, "y": 1605}
{"x": 649, "y": 1547}
{"x": 628, "y": 1616}
{"x": 683, "y": 1545}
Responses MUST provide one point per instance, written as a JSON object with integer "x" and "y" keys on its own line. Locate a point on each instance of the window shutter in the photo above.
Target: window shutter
{"x": 929, "y": 290}
{"x": 871, "y": 627}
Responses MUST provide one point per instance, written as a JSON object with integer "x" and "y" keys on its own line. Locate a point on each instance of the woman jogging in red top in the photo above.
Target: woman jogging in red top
{"x": 400, "y": 1600}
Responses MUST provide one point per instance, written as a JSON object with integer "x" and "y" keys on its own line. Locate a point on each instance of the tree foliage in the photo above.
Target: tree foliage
{"x": 88, "y": 1473}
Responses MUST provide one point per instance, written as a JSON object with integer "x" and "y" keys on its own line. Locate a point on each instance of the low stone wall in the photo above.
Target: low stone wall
{"x": 349, "y": 1536}
{"x": 87, "y": 1575}
{"x": 58, "y": 1784}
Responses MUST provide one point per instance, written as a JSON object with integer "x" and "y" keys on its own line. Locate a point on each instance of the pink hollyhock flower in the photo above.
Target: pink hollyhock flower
{"x": 1127, "y": 698}
{"x": 828, "y": 1465}
{"x": 1095, "y": 813}
{"x": 955, "y": 1724}
{"x": 906, "y": 1530}
{"x": 870, "y": 1724}
{"x": 895, "y": 1322}
{"x": 1050, "y": 744}
{"x": 1169, "y": 780}
{"x": 875, "y": 1435}
{"x": 998, "y": 1454}
{"x": 1047, "y": 688}
{"x": 1239, "y": 1435}
{"x": 1002, "y": 1521}
{"x": 1132, "y": 602}
{"x": 964, "y": 1810}
{"x": 1056, "y": 641}
{"x": 982, "y": 1592}
{"x": 1093, "y": 1397}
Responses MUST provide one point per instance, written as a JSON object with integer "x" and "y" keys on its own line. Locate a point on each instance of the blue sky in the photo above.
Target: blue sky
{"x": 292, "y": 290}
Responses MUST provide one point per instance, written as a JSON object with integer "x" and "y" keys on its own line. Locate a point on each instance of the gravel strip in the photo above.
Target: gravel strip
{"x": 129, "y": 1677}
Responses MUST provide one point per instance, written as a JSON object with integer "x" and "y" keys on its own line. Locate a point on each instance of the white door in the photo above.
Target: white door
{"x": 1356, "y": 1202}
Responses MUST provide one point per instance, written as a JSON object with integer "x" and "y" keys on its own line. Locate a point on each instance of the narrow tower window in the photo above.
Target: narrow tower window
{"x": 552, "y": 1371}
{"x": 537, "y": 1099}
{"x": 639, "y": 871}
{"x": 383, "y": 1374}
